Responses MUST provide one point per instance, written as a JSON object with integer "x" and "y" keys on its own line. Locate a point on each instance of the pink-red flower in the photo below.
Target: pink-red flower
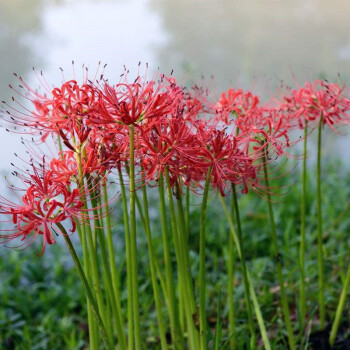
{"x": 317, "y": 100}
{"x": 44, "y": 204}
{"x": 130, "y": 103}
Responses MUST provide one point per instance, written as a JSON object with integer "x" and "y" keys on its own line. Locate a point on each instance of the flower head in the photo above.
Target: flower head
{"x": 44, "y": 204}
{"x": 317, "y": 100}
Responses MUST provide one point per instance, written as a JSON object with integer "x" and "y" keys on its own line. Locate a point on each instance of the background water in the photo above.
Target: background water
{"x": 251, "y": 43}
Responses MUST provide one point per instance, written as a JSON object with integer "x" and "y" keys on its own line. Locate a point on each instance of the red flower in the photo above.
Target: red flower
{"x": 166, "y": 143}
{"x": 132, "y": 103}
{"x": 223, "y": 153}
{"x": 44, "y": 204}
{"x": 238, "y": 102}
{"x": 316, "y": 100}
{"x": 268, "y": 127}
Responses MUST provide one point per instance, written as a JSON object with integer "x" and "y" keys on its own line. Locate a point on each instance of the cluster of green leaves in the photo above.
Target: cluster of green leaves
{"x": 41, "y": 301}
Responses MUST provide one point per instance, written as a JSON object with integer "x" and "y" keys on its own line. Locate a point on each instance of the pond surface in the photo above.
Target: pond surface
{"x": 249, "y": 43}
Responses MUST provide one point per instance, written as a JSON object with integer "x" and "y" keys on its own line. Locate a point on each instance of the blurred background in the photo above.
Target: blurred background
{"x": 251, "y": 44}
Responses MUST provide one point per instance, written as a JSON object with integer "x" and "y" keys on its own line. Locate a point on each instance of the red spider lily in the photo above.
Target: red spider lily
{"x": 238, "y": 102}
{"x": 166, "y": 143}
{"x": 44, "y": 204}
{"x": 316, "y": 100}
{"x": 73, "y": 106}
{"x": 65, "y": 111}
{"x": 95, "y": 161}
{"x": 192, "y": 108}
{"x": 131, "y": 103}
{"x": 22, "y": 117}
{"x": 64, "y": 168}
{"x": 108, "y": 145}
{"x": 38, "y": 215}
{"x": 62, "y": 109}
{"x": 265, "y": 124}
{"x": 105, "y": 148}
{"x": 268, "y": 126}
{"x": 221, "y": 151}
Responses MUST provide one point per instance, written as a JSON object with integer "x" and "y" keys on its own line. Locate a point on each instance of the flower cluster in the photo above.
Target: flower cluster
{"x": 175, "y": 129}
{"x": 318, "y": 101}
{"x": 45, "y": 203}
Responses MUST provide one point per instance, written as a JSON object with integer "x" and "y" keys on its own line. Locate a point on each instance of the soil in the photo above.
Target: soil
{"x": 319, "y": 340}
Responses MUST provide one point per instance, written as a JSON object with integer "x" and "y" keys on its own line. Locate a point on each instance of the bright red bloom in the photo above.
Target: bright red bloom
{"x": 239, "y": 102}
{"x": 44, "y": 204}
{"x": 316, "y": 100}
{"x": 65, "y": 111}
{"x": 268, "y": 127}
{"x": 223, "y": 153}
{"x": 64, "y": 168}
{"x": 166, "y": 144}
{"x": 131, "y": 103}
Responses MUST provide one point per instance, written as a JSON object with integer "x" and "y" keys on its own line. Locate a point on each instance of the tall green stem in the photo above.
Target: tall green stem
{"x": 91, "y": 246}
{"x": 93, "y": 335}
{"x": 340, "y": 308}
{"x": 320, "y": 258}
{"x": 152, "y": 257}
{"x": 257, "y": 310}
{"x": 128, "y": 261}
{"x": 174, "y": 322}
{"x": 182, "y": 269}
{"x": 231, "y": 281}
{"x": 183, "y": 238}
{"x": 91, "y": 320}
{"x": 85, "y": 285}
{"x": 244, "y": 268}
{"x": 94, "y": 198}
{"x": 113, "y": 281}
{"x": 302, "y": 299}
{"x": 133, "y": 243}
{"x": 278, "y": 261}
{"x": 187, "y": 212}
{"x": 202, "y": 274}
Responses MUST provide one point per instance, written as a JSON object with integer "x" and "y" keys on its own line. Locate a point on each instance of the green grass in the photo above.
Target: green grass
{"x": 42, "y": 301}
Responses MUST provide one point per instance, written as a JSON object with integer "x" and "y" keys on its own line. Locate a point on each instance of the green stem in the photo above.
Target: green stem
{"x": 244, "y": 270}
{"x": 86, "y": 286}
{"x": 340, "y": 308}
{"x": 93, "y": 337}
{"x": 320, "y": 258}
{"x": 202, "y": 274}
{"x": 91, "y": 246}
{"x": 257, "y": 310}
{"x": 91, "y": 321}
{"x": 182, "y": 269}
{"x": 112, "y": 278}
{"x": 133, "y": 243}
{"x": 102, "y": 244}
{"x": 128, "y": 261}
{"x": 86, "y": 254}
{"x": 185, "y": 247}
{"x": 152, "y": 259}
{"x": 110, "y": 316}
{"x": 156, "y": 265}
{"x": 278, "y": 260}
{"x": 231, "y": 280}
{"x": 302, "y": 299}
{"x": 187, "y": 212}
{"x": 174, "y": 322}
